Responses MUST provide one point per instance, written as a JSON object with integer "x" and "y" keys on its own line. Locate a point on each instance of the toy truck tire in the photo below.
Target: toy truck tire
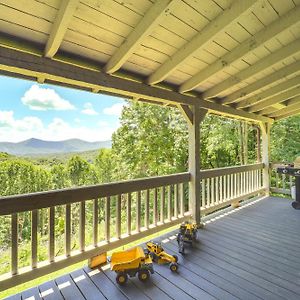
{"x": 143, "y": 275}
{"x": 174, "y": 267}
{"x": 122, "y": 278}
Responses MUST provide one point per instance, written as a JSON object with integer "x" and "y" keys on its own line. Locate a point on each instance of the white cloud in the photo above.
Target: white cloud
{"x": 15, "y": 130}
{"x": 89, "y": 109}
{"x": 37, "y": 98}
{"x": 114, "y": 110}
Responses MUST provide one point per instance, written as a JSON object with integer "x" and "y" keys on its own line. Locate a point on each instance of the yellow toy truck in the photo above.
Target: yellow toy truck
{"x": 160, "y": 256}
{"x": 131, "y": 262}
{"x": 188, "y": 233}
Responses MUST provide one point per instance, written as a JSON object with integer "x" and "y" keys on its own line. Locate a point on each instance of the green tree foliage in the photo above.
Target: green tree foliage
{"x": 285, "y": 139}
{"x": 104, "y": 165}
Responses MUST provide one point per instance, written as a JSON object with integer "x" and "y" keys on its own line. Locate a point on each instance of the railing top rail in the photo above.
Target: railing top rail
{"x": 229, "y": 170}
{"x": 27, "y": 202}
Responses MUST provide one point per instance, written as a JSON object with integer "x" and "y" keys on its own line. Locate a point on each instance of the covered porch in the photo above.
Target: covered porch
{"x": 247, "y": 253}
{"x": 238, "y": 59}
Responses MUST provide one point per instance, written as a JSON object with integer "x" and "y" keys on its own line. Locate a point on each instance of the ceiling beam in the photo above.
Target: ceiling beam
{"x": 271, "y": 109}
{"x": 144, "y": 28}
{"x": 276, "y": 99}
{"x": 60, "y": 26}
{"x": 274, "y": 90}
{"x": 200, "y": 40}
{"x": 289, "y": 114}
{"x": 22, "y": 64}
{"x": 261, "y": 83}
{"x": 293, "y": 104}
{"x": 269, "y": 32}
{"x": 263, "y": 64}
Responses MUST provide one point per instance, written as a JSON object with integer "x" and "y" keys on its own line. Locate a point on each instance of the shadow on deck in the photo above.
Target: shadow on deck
{"x": 250, "y": 253}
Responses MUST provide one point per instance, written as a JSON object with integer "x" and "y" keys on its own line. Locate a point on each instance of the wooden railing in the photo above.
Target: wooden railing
{"x": 280, "y": 183}
{"x": 225, "y": 186}
{"x": 114, "y": 214}
{"x": 132, "y": 210}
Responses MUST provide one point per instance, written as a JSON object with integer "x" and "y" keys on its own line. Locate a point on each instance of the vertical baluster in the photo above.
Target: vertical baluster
{"x": 138, "y": 211}
{"x": 208, "y": 199}
{"x": 182, "y": 209}
{"x": 107, "y": 219}
{"x": 34, "y": 227}
{"x": 221, "y": 198}
{"x": 252, "y": 181}
{"x": 176, "y": 193}
{"x": 68, "y": 230}
{"x": 51, "y": 212}
{"x": 95, "y": 221}
{"x": 14, "y": 243}
{"x": 203, "y": 199}
{"x": 155, "y": 208}
{"x": 235, "y": 185}
{"x": 245, "y": 182}
{"x": 169, "y": 202}
{"x": 212, "y": 188}
{"x": 162, "y": 204}
{"x": 239, "y": 184}
{"x": 290, "y": 181}
{"x": 231, "y": 186}
{"x": 118, "y": 217}
{"x": 147, "y": 209}
{"x": 277, "y": 179}
{"x": 228, "y": 187}
{"x": 217, "y": 190}
{"x": 82, "y": 225}
{"x": 129, "y": 213}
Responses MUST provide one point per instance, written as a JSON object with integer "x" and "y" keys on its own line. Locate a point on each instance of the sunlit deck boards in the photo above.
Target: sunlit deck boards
{"x": 252, "y": 253}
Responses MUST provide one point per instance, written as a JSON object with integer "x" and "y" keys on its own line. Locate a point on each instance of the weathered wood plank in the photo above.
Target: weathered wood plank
{"x": 68, "y": 288}
{"x": 50, "y": 291}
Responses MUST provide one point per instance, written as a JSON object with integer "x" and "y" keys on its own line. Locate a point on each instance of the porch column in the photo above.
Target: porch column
{"x": 265, "y": 136}
{"x": 194, "y": 116}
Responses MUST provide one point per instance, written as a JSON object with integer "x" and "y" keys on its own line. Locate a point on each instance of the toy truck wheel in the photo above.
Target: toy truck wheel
{"x": 176, "y": 258}
{"x": 174, "y": 267}
{"x": 121, "y": 278}
{"x": 143, "y": 275}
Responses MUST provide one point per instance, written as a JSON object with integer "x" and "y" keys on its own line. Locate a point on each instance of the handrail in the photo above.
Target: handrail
{"x": 280, "y": 183}
{"x": 229, "y": 170}
{"x": 27, "y": 202}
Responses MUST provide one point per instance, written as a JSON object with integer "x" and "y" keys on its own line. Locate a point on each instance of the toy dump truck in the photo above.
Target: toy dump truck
{"x": 188, "y": 233}
{"x": 160, "y": 256}
{"x": 131, "y": 262}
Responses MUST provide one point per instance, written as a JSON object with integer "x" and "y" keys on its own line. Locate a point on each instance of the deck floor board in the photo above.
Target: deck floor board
{"x": 250, "y": 254}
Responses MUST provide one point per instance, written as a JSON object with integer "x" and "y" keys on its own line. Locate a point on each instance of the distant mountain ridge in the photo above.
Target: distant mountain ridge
{"x": 36, "y": 146}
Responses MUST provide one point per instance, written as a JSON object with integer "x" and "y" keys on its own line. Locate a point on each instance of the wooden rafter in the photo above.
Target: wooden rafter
{"x": 265, "y": 81}
{"x": 143, "y": 29}
{"x": 289, "y": 19}
{"x": 292, "y": 105}
{"x": 60, "y": 26}
{"x": 281, "y": 87}
{"x": 289, "y": 114}
{"x": 31, "y": 66}
{"x": 276, "y": 99}
{"x": 263, "y": 64}
{"x": 201, "y": 39}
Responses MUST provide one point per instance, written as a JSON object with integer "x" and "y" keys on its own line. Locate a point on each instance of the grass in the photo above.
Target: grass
{"x": 51, "y": 276}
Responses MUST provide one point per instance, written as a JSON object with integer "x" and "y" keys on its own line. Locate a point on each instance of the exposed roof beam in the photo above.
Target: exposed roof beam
{"x": 289, "y": 114}
{"x": 274, "y": 90}
{"x": 22, "y": 64}
{"x": 220, "y": 24}
{"x": 293, "y": 104}
{"x": 271, "y": 109}
{"x": 289, "y": 19}
{"x": 265, "y": 63}
{"x": 265, "y": 81}
{"x": 154, "y": 15}
{"x": 276, "y": 99}
{"x": 60, "y": 26}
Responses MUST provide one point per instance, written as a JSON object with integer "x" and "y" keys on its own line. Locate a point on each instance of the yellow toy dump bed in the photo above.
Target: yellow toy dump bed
{"x": 129, "y": 259}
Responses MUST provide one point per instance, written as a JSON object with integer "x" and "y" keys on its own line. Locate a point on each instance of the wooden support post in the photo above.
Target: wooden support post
{"x": 265, "y": 135}
{"x": 195, "y": 117}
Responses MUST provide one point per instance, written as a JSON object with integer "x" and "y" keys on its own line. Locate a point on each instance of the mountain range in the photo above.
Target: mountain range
{"x": 36, "y": 146}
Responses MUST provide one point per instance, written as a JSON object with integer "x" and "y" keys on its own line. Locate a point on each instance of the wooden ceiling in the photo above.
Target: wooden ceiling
{"x": 239, "y": 58}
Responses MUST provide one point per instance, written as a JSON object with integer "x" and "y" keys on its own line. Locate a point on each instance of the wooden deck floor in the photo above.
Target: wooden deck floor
{"x": 252, "y": 253}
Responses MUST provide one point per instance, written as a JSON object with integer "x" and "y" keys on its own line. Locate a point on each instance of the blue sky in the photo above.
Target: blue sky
{"x": 29, "y": 109}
